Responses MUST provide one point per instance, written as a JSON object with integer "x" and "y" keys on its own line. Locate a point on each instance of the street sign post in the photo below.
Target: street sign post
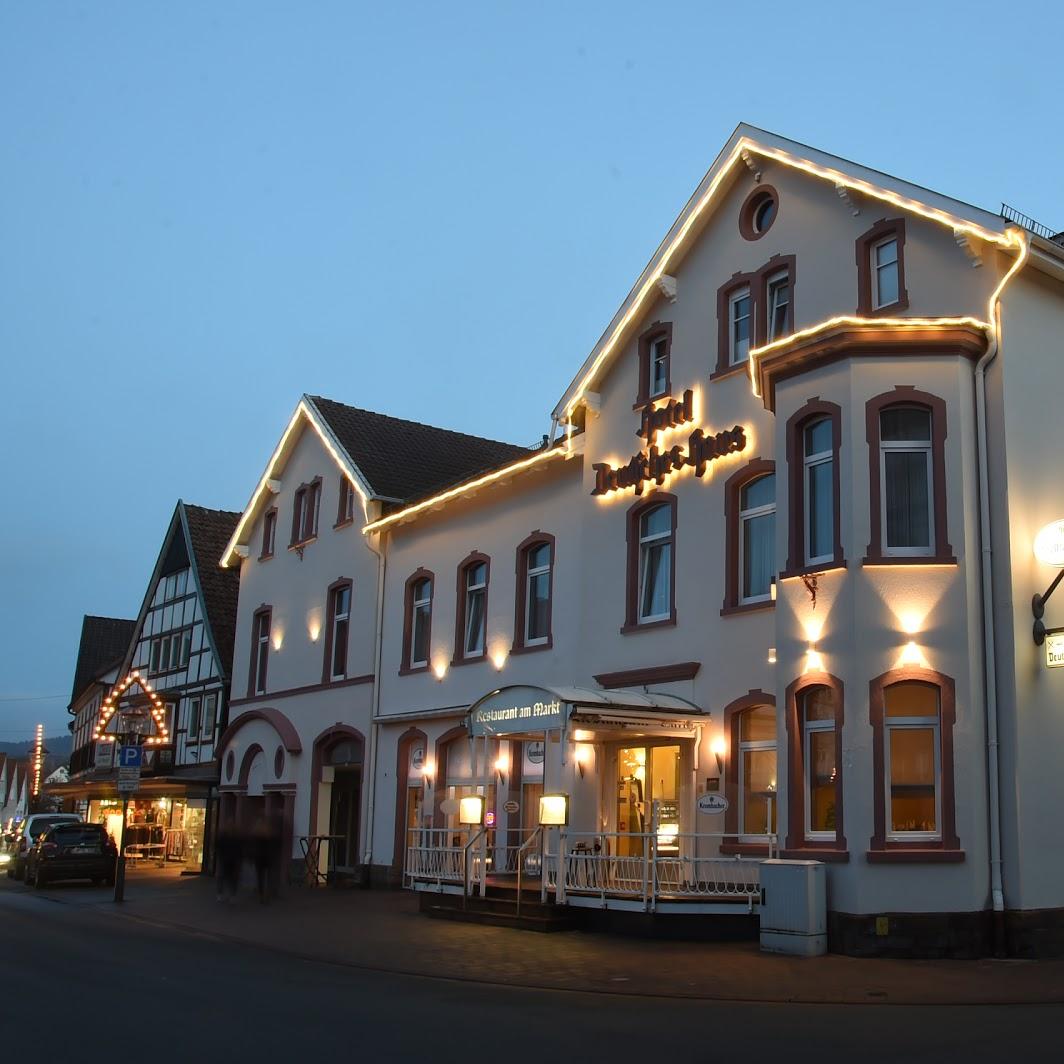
{"x": 130, "y": 759}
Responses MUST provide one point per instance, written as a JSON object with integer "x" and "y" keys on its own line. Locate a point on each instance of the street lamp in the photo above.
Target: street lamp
{"x": 1049, "y": 550}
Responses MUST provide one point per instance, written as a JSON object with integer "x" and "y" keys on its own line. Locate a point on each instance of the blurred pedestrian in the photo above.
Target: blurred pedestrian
{"x": 230, "y": 858}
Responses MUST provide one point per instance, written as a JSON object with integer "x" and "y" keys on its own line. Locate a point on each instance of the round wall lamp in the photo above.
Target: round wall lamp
{"x": 1049, "y": 550}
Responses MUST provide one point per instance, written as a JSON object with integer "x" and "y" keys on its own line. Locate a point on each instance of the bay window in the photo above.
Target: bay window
{"x": 819, "y": 496}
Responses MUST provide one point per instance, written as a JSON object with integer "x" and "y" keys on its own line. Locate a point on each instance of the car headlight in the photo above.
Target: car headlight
{"x": 5, "y": 858}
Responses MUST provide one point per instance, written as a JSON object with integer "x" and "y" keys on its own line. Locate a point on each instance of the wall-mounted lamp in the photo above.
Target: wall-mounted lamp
{"x": 1049, "y": 550}
{"x": 582, "y": 756}
{"x": 502, "y": 766}
{"x": 772, "y": 590}
{"x": 439, "y": 670}
{"x": 772, "y": 655}
{"x": 471, "y": 810}
{"x": 428, "y": 771}
{"x": 718, "y": 748}
{"x": 498, "y": 659}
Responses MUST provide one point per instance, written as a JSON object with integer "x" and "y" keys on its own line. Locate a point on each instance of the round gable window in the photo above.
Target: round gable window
{"x": 758, "y": 212}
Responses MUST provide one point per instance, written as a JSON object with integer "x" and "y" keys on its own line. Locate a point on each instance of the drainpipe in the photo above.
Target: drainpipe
{"x": 374, "y": 727}
{"x": 997, "y": 890}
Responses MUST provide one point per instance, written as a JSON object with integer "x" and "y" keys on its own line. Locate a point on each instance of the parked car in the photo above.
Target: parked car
{"x": 29, "y": 832}
{"x": 72, "y": 851}
{"x": 8, "y": 846}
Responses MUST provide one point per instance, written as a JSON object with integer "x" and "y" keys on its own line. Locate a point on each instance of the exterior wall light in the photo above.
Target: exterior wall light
{"x": 471, "y": 810}
{"x": 718, "y": 748}
{"x": 502, "y": 766}
{"x": 554, "y": 810}
{"x": 1049, "y": 550}
{"x": 582, "y": 756}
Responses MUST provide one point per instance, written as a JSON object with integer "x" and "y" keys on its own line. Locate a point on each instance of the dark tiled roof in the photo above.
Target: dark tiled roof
{"x": 104, "y": 641}
{"x": 407, "y": 460}
{"x": 210, "y": 531}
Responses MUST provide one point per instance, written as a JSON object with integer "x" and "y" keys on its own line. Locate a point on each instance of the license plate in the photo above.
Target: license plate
{"x": 84, "y": 849}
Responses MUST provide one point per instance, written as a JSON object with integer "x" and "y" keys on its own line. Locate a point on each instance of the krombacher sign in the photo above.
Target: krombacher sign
{"x": 656, "y": 465}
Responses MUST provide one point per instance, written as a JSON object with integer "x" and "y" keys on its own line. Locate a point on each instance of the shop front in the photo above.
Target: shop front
{"x": 588, "y": 797}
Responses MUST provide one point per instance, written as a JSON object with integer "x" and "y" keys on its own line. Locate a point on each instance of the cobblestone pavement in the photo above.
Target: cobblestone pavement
{"x": 383, "y": 930}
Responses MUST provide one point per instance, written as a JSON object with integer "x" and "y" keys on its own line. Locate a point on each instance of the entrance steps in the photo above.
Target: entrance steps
{"x": 499, "y": 909}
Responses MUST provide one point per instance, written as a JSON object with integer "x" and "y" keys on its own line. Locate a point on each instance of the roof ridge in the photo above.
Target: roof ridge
{"x": 419, "y": 424}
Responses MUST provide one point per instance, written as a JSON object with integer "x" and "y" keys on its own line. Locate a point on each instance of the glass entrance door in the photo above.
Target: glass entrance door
{"x": 343, "y": 819}
{"x": 648, "y": 797}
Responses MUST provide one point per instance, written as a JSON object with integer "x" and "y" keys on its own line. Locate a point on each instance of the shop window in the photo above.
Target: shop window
{"x": 269, "y": 532}
{"x": 535, "y": 580}
{"x": 750, "y": 536}
{"x": 338, "y": 630}
{"x": 907, "y": 477}
{"x": 912, "y": 712}
{"x": 881, "y": 269}
{"x": 655, "y": 347}
{"x": 472, "y": 615}
{"x": 651, "y": 580}
{"x": 814, "y": 738}
{"x": 417, "y": 622}
{"x": 814, "y": 525}
{"x": 260, "y": 651}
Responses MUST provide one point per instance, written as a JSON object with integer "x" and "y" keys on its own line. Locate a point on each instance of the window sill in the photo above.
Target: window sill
{"x": 814, "y": 570}
{"x": 643, "y": 402}
{"x": 812, "y": 852}
{"x": 471, "y": 660}
{"x": 866, "y": 310}
{"x": 521, "y": 648}
{"x": 300, "y": 544}
{"x": 413, "y": 670}
{"x": 345, "y": 523}
{"x": 747, "y": 607}
{"x": 649, "y": 626}
{"x": 265, "y": 557}
{"x": 924, "y": 559}
{"x": 731, "y": 371}
{"x": 907, "y": 855}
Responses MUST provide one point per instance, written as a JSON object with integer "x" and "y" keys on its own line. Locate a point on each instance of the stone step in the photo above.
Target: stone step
{"x": 498, "y": 911}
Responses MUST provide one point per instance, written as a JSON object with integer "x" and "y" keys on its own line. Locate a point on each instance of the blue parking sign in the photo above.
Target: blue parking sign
{"x": 130, "y": 756}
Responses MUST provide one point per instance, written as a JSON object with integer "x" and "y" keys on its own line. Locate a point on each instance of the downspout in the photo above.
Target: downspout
{"x": 997, "y": 890}
{"x": 374, "y": 727}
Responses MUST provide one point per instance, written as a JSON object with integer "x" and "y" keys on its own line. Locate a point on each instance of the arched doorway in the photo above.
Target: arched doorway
{"x": 337, "y": 796}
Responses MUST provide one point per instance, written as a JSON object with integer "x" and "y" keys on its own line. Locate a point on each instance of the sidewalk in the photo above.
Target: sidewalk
{"x": 382, "y": 930}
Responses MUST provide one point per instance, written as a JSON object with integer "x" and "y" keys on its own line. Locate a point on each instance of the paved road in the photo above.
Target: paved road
{"x": 85, "y": 976}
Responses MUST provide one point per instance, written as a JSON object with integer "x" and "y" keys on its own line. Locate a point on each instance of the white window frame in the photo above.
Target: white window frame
{"x": 530, "y": 574}
{"x": 347, "y": 500}
{"x": 470, "y": 591}
{"x": 658, "y": 356}
{"x": 263, "y": 624}
{"x": 876, "y": 266}
{"x": 192, "y": 734}
{"x": 809, "y": 728}
{"x": 924, "y": 446}
{"x": 774, "y": 285}
{"x": 734, "y": 359}
{"x": 750, "y": 746}
{"x": 913, "y": 724}
{"x": 208, "y": 729}
{"x": 749, "y": 515}
{"x": 646, "y": 542}
{"x": 269, "y": 533}
{"x": 418, "y": 604}
{"x": 339, "y": 615}
{"x": 809, "y": 463}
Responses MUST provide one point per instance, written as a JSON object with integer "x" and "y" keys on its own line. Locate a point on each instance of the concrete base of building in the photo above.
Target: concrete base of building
{"x": 961, "y": 936}
{"x": 1035, "y": 934}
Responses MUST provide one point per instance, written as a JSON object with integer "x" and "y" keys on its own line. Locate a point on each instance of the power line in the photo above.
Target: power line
{"x": 30, "y": 698}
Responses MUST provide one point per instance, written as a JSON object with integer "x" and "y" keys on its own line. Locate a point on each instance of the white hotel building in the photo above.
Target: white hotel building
{"x": 776, "y": 555}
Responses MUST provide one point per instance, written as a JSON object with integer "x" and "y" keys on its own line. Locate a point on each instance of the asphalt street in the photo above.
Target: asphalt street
{"x": 81, "y": 981}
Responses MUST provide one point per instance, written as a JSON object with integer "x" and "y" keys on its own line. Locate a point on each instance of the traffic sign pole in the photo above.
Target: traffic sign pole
{"x": 120, "y": 861}
{"x": 130, "y": 758}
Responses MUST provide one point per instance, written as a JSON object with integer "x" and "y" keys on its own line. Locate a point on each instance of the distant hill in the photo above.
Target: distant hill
{"x": 58, "y": 746}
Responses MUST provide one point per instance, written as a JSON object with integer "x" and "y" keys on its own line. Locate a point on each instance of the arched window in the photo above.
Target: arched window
{"x": 750, "y": 532}
{"x": 417, "y": 622}
{"x": 655, "y": 347}
{"x": 757, "y": 771}
{"x": 814, "y": 527}
{"x": 912, "y": 713}
{"x": 337, "y": 631}
{"x": 471, "y": 620}
{"x": 814, "y": 767}
{"x": 534, "y": 593}
{"x": 907, "y": 477}
{"x": 881, "y": 269}
{"x": 651, "y": 578}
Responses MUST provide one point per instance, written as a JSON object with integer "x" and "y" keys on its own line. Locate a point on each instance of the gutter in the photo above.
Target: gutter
{"x": 997, "y": 889}
{"x": 374, "y": 728}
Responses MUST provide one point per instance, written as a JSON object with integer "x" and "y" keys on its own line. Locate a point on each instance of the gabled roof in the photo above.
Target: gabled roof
{"x": 746, "y": 146}
{"x": 104, "y": 641}
{"x": 202, "y": 533}
{"x": 208, "y": 533}
{"x": 387, "y": 459}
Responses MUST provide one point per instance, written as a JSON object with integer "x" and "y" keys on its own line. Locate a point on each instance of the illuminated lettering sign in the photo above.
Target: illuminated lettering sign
{"x": 516, "y": 709}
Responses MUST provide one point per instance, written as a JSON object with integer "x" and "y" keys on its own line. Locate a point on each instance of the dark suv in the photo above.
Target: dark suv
{"x": 72, "y": 851}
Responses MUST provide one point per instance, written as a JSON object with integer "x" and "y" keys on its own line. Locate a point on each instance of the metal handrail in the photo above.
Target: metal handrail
{"x": 465, "y": 864}
{"x": 537, "y": 834}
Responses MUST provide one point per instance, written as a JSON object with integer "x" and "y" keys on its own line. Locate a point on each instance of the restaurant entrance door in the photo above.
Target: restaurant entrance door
{"x": 647, "y": 789}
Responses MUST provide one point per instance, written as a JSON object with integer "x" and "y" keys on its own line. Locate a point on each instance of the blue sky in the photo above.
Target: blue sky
{"x": 208, "y": 209}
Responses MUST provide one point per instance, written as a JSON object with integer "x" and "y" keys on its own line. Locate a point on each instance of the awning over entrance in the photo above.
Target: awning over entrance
{"x": 525, "y": 710}
{"x": 150, "y": 787}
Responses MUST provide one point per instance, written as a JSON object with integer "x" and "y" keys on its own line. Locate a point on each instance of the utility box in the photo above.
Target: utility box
{"x": 794, "y": 908}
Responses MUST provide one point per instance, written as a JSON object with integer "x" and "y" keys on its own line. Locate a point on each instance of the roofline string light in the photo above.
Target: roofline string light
{"x": 110, "y": 706}
{"x": 304, "y": 409}
{"x": 1010, "y": 239}
{"x": 38, "y": 759}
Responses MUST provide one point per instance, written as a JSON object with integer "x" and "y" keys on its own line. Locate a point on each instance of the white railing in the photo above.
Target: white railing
{"x": 441, "y": 856}
{"x": 652, "y": 868}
